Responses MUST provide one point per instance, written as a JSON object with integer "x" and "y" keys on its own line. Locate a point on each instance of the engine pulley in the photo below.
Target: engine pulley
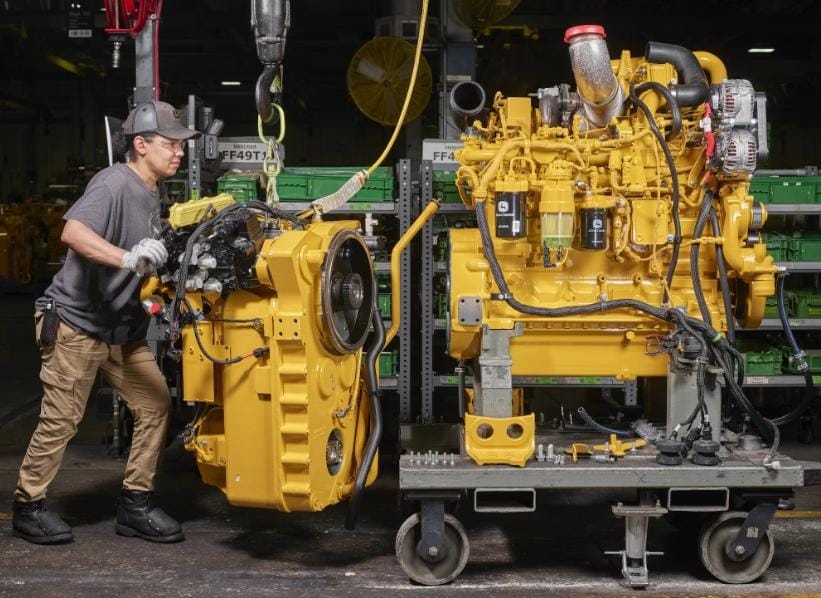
{"x": 347, "y": 292}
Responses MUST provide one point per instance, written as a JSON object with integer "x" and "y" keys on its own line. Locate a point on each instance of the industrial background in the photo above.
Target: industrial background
{"x": 57, "y": 85}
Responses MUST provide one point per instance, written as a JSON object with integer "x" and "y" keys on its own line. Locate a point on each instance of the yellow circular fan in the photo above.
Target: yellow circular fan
{"x": 478, "y": 14}
{"x": 378, "y": 79}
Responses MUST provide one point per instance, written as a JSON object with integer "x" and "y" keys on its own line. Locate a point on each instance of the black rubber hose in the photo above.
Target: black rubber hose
{"x": 671, "y": 165}
{"x": 719, "y": 347}
{"x": 671, "y": 102}
{"x": 723, "y": 279}
{"x": 601, "y": 427}
{"x": 375, "y": 395}
{"x": 694, "y": 90}
{"x": 764, "y": 425}
{"x": 695, "y": 249}
{"x": 797, "y": 355}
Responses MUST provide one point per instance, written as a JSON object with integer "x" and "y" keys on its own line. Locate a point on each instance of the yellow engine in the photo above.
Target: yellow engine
{"x": 272, "y": 317}
{"x": 602, "y": 214}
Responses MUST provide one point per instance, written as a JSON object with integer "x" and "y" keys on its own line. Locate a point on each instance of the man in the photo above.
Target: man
{"x": 91, "y": 319}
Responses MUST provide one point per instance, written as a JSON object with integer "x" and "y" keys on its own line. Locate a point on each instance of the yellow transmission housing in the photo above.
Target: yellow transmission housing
{"x": 285, "y": 430}
{"x": 612, "y": 184}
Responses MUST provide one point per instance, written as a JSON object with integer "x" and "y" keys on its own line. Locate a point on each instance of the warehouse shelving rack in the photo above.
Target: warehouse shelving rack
{"x": 402, "y": 209}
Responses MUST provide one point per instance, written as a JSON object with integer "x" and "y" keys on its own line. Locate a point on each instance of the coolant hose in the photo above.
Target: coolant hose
{"x": 375, "y": 395}
{"x": 675, "y": 111}
{"x": 671, "y": 164}
{"x": 694, "y": 90}
{"x": 600, "y": 427}
{"x": 797, "y": 355}
{"x": 695, "y": 248}
{"x": 723, "y": 280}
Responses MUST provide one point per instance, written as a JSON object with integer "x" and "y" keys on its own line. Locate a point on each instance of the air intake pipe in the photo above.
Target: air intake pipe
{"x": 694, "y": 90}
{"x": 467, "y": 98}
{"x": 598, "y": 88}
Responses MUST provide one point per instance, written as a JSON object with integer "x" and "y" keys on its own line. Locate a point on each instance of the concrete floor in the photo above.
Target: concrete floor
{"x": 230, "y": 550}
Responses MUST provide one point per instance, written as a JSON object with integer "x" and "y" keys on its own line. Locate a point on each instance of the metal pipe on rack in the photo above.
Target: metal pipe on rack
{"x": 806, "y": 171}
{"x": 396, "y": 277}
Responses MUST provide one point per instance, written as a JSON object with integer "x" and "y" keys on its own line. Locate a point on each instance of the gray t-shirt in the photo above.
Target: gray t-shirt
{"x": 100, "y": 300}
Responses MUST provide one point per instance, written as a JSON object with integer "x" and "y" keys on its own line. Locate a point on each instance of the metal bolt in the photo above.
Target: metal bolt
{"x": 452, "y": 461}
{"x": 739, "y": 550}
{"x": 433, "y": 552}
{"x": 540, "y": 452}
{"x": 549, "y": 452}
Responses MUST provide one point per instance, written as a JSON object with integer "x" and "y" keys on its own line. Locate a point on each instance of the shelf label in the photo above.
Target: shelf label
{"x": 758, "y": 380}
{"x": 440, "y": 152}
{"x": 245, "y": 153}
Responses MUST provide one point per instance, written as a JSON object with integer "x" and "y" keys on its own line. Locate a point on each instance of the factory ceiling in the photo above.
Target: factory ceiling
{"x": 44, "y": 72}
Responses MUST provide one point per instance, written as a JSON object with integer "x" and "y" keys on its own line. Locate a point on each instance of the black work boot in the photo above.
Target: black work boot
{"x": 33, "y": 522}
{"x": 137, "y": 517}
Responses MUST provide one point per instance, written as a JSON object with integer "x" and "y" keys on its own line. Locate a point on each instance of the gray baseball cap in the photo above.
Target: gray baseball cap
{"x": 157, "y": 117}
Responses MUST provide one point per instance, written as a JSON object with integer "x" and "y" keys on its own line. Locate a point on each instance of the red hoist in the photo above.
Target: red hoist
{"x": 140, "y": 20}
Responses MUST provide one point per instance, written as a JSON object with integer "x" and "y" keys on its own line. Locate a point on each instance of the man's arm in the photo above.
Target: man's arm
{"x": 90, "y": 245}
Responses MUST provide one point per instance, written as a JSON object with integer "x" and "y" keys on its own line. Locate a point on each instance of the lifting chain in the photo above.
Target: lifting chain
{"x": 272, "y": 162}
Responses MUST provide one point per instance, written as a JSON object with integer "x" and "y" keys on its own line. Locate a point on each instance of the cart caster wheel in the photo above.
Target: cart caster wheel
{"x": 713, "y": 540}
{"x": 457, "y": 550}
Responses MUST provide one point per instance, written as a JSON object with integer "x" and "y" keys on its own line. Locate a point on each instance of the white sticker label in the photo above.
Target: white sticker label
{"x": 440, "y": 151}
{"x": 242, "y": 154}
{"x": 79, "y": 33}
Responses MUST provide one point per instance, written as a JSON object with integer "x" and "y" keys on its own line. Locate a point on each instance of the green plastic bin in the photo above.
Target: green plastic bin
{"x": 761, "y": 359}
{"x": 779, "y": 246}
{"x": 787, "y": 189}
{"x": 388, "y": 363}
{"x": 813, "y": 360}
{"x": 444, "y": 186}
{"x": 384, "y": 304}
{"x": 805, "y": 303}
{"x": 244, "y": 187}
{"x": 310, "y": 183}
{"x": 806, "y": 247}
{"x": 441, "y": 306}
{"x": 771, "y": 308}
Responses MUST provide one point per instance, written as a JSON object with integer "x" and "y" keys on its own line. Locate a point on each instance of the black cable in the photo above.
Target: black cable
{"x": 601, "y": 427}
{"x": 717, "y": 345}
{"x": 671, "y": 102}
{"x": 695, "y": 249}
{"x": 671, "y": 164}
{"x": 723, "y": 279}
{"x": 798, "y": 357}
{"x": 258, "y": 352}
{"x": 375, "y": 395}
{"x": 185, "y": 262}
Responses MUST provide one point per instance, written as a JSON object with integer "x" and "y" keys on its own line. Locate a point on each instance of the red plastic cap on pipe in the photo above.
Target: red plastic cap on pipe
{"x": 581, "y": 29}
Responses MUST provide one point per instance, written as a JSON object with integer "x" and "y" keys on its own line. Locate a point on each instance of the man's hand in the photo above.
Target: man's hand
{"x": 145, "y": 257}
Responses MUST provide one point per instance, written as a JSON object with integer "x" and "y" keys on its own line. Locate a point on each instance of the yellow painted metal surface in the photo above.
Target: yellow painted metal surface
{"x": 506, "y": 440}
{"x": 192, "y": 212}
{"x": 621, "y": 170}
{"x": 270, "y": 423}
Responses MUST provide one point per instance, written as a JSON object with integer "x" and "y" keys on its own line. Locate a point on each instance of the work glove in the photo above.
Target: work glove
{"x": 145, "y": 257}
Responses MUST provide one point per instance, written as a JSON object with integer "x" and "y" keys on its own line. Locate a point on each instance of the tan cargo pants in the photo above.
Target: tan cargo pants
{"x": 69, "y": 368}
